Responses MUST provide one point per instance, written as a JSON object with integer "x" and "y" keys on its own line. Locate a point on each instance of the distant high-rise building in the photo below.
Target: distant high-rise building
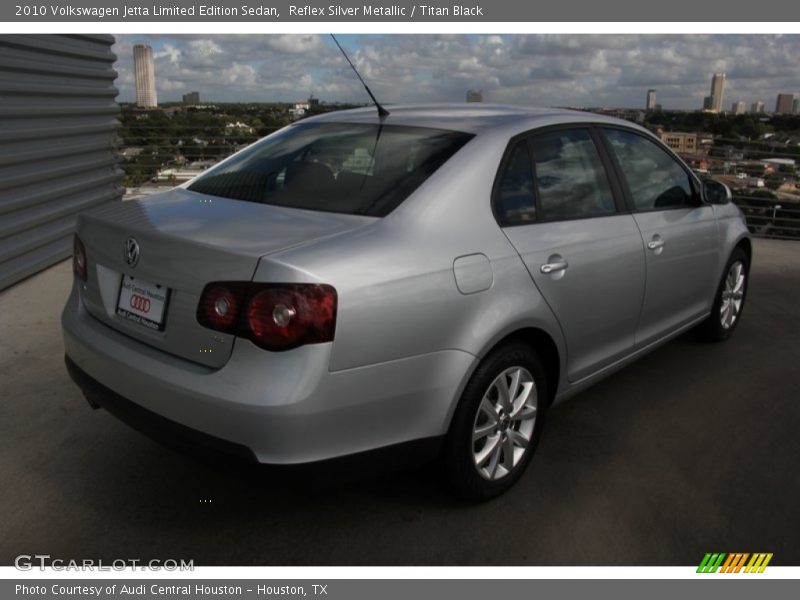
{"x": 145, "y": 76}
{"x": 708, "y": 103}
{"x": 784, "y": 104}
{"x": 191, "y": 99}
{"x": 739, "y": 108}
{"x": 474, "y": 96}
{"x": 796, "y": 106}
{"x": 757, "y": 107}
{"x": 717, "y": 91}
{"x": 651, "y": 100}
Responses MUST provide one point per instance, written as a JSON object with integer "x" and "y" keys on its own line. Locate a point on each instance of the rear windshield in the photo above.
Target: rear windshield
{"x": 346, "y": 168}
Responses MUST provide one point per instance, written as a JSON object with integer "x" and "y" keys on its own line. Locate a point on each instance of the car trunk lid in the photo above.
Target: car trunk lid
{"x": 184, "y": 241}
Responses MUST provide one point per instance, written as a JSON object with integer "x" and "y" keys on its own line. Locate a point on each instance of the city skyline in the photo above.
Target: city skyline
{"x": 586, "y": 70}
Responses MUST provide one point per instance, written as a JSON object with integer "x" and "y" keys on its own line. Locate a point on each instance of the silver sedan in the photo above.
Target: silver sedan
{"x": 434, "y": 278}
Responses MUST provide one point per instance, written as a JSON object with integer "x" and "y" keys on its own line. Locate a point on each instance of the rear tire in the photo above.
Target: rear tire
{"x": 497, "y": 423}
{"x": 729, "y": 300}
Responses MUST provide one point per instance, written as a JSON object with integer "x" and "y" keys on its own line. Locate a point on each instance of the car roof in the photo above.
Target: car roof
{"x": 468, "y": 117}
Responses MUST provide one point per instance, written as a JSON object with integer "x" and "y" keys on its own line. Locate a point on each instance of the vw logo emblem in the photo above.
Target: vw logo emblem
{"x": 131, "y": 252}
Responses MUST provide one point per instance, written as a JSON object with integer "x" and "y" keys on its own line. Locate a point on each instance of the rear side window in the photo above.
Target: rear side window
{"x": 514, "y": 201}
{"x": 570, "y": 178}
{"x": 655, "y": 179}
{"x": 347, "y": 168}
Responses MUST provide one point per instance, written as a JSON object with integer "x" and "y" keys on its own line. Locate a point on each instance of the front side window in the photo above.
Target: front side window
{"x": 570, "y": 178}
{"x": 655, "y": 179}
{"x": 335, "y": 167}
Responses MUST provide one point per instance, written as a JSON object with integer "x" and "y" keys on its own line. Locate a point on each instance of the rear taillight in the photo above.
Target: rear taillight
{"x": 78, "y": 258}
{"x": 274, "y": 316}
{"x": 220, "y": 307}
{"x": 291, "y": 315}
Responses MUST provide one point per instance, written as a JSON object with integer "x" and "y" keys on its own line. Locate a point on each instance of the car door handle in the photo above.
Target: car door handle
{"x": 554, "y": 267}
{"x": 655, "y": 244}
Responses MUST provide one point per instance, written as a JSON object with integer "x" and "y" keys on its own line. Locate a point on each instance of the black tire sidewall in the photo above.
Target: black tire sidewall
{"x": 463, "y": 475}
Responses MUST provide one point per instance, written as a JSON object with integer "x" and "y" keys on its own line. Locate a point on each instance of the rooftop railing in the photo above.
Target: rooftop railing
{"x": 771, "y": 217}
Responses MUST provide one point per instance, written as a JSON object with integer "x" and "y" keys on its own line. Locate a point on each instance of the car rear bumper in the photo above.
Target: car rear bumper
{"x": 279, "y": 407}
{"x": 148, "y": 422}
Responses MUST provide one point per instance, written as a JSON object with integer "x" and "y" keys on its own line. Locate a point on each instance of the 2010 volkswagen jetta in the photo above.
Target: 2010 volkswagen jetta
{"x": 358, "y": 281}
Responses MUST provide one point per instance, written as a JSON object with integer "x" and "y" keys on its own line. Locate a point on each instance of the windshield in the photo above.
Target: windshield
{"x": 346, "y": 168}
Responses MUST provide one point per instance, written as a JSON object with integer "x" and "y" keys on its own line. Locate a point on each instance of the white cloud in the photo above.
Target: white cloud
{"x": 293, "y": 44}
{"x": 169, "y": 53}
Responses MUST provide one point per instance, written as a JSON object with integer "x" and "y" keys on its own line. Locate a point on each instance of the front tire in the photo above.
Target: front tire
{"x": 497, "y": 423}
{"x": 729, "y": 301}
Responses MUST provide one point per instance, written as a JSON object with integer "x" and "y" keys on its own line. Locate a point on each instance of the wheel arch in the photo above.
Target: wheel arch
{"x": 537, "y": 338}
{"x": 545, "y": 346}
{"x": 746, "y": 244}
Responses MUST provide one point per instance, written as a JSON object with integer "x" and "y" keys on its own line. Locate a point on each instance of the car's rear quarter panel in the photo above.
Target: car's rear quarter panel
{"x": 395, "y": 280}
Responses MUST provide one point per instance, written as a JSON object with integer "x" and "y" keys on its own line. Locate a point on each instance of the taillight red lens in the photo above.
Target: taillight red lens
{"x": 273, "y": 316}
{"x": 78, "y": 258}
{"x": 292, "y": 315}
{"x": 221, "y": 307}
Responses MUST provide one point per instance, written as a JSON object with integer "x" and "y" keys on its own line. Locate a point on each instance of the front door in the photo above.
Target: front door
{"x": 679, "y": 232}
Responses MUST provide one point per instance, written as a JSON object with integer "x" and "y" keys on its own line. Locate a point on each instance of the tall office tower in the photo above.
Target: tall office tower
{"x": 717, "y": 91}
{"x": 651, "y": 100}
{"x": 796, "y": 106}
{"x": 738, "y": 108}
{"x": 757, "y": 107}
{"x": 145, "y": 76}
{"x": 784, "y": 104}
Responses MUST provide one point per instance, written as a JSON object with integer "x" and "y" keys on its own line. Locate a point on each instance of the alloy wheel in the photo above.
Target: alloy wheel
{"x": 732, "y": 295}
{"x": 504, "y": 423}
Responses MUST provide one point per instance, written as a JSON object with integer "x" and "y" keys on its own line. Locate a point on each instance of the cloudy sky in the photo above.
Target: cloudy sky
{"x": 561, "y": 70}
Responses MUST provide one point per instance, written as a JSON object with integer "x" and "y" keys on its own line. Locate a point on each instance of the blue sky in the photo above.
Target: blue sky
{"x": 562, "y": 70}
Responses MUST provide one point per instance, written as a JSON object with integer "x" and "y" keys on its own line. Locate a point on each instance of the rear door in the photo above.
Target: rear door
{"x": 561, "y": 211}
{"x": 678, "y": 229}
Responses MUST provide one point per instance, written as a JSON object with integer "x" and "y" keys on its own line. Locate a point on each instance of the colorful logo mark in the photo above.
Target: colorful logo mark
{"x": 734, "y": 562}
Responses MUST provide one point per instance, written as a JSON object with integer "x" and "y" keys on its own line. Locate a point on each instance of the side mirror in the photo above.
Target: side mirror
{"x": 715, "y": 192}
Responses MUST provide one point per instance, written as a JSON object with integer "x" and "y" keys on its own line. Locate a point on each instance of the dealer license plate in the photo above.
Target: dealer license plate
{"x": 142, "y": 302}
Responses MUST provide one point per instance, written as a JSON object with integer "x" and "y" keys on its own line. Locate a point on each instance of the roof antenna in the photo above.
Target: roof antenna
{"x": 382, "y": 112}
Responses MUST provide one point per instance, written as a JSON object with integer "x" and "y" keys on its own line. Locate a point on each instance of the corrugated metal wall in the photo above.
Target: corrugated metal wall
{"x": 57, "y": 144}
